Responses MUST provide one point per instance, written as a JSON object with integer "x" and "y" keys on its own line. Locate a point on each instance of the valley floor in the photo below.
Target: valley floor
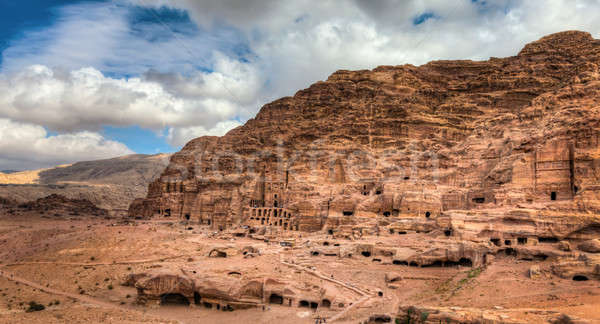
{"x": 75, "y": 267}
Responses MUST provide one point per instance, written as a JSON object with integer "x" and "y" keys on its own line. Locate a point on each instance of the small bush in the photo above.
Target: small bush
{"x": 35, "y": 307}
{"x": 110, "y": 287}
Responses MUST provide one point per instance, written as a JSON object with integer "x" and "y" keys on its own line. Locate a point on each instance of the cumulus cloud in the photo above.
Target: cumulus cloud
{"x": 28, "y": 146}
{"x": 299, "y": 42}
{"x": 85, "y": 99}
{"x": 181, "y": 135}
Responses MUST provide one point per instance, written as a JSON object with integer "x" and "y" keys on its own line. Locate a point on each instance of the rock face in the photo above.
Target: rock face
{"x": 503, "y": 150}
{"x": 238, "y": 286}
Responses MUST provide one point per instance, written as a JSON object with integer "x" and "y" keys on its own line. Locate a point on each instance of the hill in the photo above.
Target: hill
{"x": 109, "y": 183}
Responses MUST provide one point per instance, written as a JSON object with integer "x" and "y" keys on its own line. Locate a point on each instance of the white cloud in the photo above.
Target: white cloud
{"x": 244, "y": 54}
{"x": 27, "y": 146}
{"x": 181, "y": 135}
{"x": 85, "y": 99}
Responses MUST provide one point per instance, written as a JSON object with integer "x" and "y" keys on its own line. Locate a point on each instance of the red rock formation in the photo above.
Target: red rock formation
{"x": 515, "y": 138}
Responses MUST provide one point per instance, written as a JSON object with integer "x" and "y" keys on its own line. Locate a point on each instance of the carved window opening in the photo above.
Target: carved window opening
{"x": 479, "y": 200}
{"x": 275, "y": 299}
{"x": 553, "y": 195}
{"x": 173, "y": 299}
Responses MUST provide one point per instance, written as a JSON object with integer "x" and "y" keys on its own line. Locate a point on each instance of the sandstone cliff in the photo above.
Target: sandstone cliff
{"x": 505, "y": 148}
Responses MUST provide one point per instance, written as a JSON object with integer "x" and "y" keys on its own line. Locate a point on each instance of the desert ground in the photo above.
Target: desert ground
{"x": 76, "y": 267}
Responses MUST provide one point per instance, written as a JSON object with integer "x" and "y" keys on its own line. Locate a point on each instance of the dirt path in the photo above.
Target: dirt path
{"x": 91, "y": 264}
{"x": 365, "y": 295}
{"x": 318, "y": 275}
{"x": 348, "y": 309}
{"x": 82, "y": 298}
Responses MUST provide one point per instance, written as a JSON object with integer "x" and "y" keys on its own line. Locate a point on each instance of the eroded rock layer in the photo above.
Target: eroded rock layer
{"x": 503, "y": 150}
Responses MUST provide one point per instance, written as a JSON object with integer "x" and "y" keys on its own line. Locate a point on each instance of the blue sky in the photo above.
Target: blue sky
{"x": 83, "y": 80}
{"x": 14, "y": 26}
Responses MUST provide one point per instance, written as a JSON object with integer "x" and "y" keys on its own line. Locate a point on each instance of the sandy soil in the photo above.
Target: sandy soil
{"x": 75, "y": 268}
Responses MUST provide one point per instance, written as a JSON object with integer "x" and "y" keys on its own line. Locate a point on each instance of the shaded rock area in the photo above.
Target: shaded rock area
{"x": 54, "y": 205}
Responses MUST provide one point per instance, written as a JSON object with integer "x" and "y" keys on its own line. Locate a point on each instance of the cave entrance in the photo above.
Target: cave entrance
{"x": 348, "y": 213}
{"x": 174, "y": 299}
{"x": 326, "y": 303}
{"x": 479, "y": 200}
{"x": 366, "y": 253}
{"x": 197, "y": 298}
{"x": 314, "y": 305}
{"x": 304, "y": 303}
{"x": 187, "y": 216}
{"x": 276, "y": 299}
{"x": 217, "y": 254}
{"x": 553, "y": 195}
{"x": 580, "y": 278}
{"x": 547, "y": 239}
{"x": 465, "y": 262}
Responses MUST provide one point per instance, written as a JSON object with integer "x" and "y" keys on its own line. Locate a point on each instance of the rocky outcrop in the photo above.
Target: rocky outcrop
{"x": 57, "y": 205}
{"x": 497, "y": 156}
{"x": 456, "y": 315}
{"x": 232, "y": 290}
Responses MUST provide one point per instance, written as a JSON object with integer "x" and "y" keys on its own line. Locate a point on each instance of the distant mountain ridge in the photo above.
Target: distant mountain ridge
{"x": 108, "y": 183}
